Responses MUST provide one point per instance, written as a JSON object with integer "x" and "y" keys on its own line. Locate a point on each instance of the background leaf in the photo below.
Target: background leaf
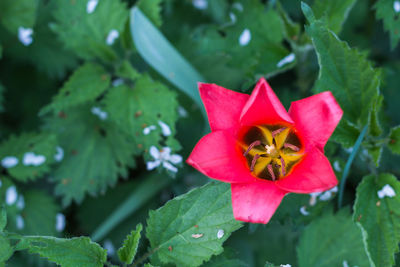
{"x": 386, "y": 11}
{"x": 128, "y": 250}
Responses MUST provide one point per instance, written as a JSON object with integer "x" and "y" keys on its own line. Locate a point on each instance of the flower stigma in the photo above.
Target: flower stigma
{"x": 271, "y": 151}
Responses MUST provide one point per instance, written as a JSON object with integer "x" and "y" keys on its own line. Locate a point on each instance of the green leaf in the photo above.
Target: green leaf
{"x": 127, "y": 71}
{"x": 394, "y": 142}
{"x": 379, "y": 217}
{"x": 96, "y": 153}
{"x": 78, "y": 251}
{"x": 3, "y": 218}
{"x": 86, "y": 33}
{"x": 5, "y": 249}
{"x": 185, "y": 230}
{"x": 147, "y": 104}
{"x": 330, "y": 241}
{"x": 34, "y": 152}
{"x": 128, "y": 251}
{"x": 391, "y": 23}
{"x": 268, "y": 264}
{"x": 346, "y": 73}
{"x": 87, "y": 83}
{"x": 152, "y": 10}
{"x": 333, "y": 13}
{"x": 15, "y": 14}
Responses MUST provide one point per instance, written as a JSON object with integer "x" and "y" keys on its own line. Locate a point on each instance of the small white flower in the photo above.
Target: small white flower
{"x": 30, "y": 158}
{"x": 336, "y": 166}
{"x": 91, "y": 6}
{"x": 238, "y": 6}
{"x": 21, "y": 202}
{"x": 182, "y": 112}
{"x": 9, "y": 162}
{"x": 60, "y": 222}
{"x": 112, "y": 35}
{"x": 232, "y": 16}
{"x": 286, "y": 265}
{"x": 109, "y": 246}
{"x": 148, "y": 129}
{"x": 117, "y": 82}
{"x": 166, "y": 131}
{"x": 313, "y": 198}
{"x": 99, "y": 113}
{"x": 345, "y": 264}
{"x": 59, "y": 154}
{"x": 304, "y": 211}
{"x": 11, "y": 195}
{"x": 396, "y": 6}
{"x": 25, "y": 35}
{"x": 386, "y": 191}
{"x": 164, "y": 158}
{"x": 245, "y": 37}
{"x": 220, "y": 233}
{"x": 19, "y": 221}
{"x": 327, "y": 195}
{"x": 200, "y": 4}
{"x": 286, "y": 60}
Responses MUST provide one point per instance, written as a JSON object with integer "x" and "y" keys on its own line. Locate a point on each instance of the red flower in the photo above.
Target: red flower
{"x": 262, "y": 150}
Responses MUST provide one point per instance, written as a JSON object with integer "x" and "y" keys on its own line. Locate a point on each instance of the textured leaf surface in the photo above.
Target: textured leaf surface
{"x": 85, "y": 84}
{"x": 86, "y": 33}
{"x": 14, "y": 14}
{"x": 43, "y": 146}
{"x": 128, "y": 251}
{"x": 331, "y": 240}
{"x": 333, "y": 13}
{"x": 79, "y": 251}
{"x": 185, "y": 230}
{"x": 379, "y": 217}
{"x": 394, "y": 143}
{"x": 95, "y": 153}
{"x": 152, "y": 9}
{"x": 5, "y": 249}
{"x": 386, "y": 12}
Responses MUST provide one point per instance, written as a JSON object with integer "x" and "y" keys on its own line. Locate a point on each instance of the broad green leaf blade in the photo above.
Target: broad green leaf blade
{"x": 78, "y": 251}
{"x": 394, "y": 142}
{"x": 163, "y": 57}
{"x": 128, "y": 251}
{"x": 6, "y": 249}
{"x": 15, "y": 14}
{"x": 333, "y": 13}
{"x": 85, "y": 84}
{"x": 330, "y": 241}
{"x": 87, "y": 31}
{"x": 152, "y": 10}
{"x": 377, "y": 212}
{"x": 31, "y": 155}
{"x": 386, "y": 11}
{"x": 191, "y": 228}
{"x": 151, "y": 186}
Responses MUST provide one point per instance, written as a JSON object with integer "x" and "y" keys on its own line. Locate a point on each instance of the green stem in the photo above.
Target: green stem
{"x": 348, "y": 164}
{"x": 144, "y": 257}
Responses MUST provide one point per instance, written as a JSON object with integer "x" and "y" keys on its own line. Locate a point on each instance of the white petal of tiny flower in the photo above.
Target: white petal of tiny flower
{"x": 117, "y": 82}
{"x": 182, "y": 112}
{"x": 165, "y": 153}
{"x": 59, "y": 154}
{"x": 334, "y": 189}
{"x": 148, "y": 129}
{"x": 166, "y": 131}
{"x": 150, "y": 165}
{"x": 169, "y": 166}
{"x": 11, "y": 195}
{"x": 232, "y": 16}
{"x": 286, "y": 265}
{"x": 325, "y": 196}
{"x": 112, "y": 35}
{"x": 154, "y": 152}
{"x": 386, "y": 191}
{"x": 30, "y": 158}
{"x": 175, "y": 158}
{"x": 21, "y": 202}
{"x": 60, "y": 222}
{"x": 220, "y": 233}
{"x": 336, "y": 166}
{"x": 9, "y": 162}
{"x": 313, "y": 198}
{"x": 345, "y": 264}
{"x": 109, "y": 246}
{"x": 200, "y": 4}
{"x": 396, "y": 6}
{"x": 286, "y": 60}
{"x": 25, "y": 35}
{"x": 19, "y": 221}
{"x": 91, "y": 6}
{"x": 238, "y": 6}
{"x": 245, "y": 37}
{"x": 304, "y": 211}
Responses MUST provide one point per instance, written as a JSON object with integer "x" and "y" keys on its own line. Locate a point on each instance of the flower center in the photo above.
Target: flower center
{"x": 271, "y": 151}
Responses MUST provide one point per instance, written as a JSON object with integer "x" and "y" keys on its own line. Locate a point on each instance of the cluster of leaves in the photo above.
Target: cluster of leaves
{"x": 96, "y": 108}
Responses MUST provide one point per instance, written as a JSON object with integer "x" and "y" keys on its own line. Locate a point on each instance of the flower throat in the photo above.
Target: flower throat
{"x": 271, "y": 151}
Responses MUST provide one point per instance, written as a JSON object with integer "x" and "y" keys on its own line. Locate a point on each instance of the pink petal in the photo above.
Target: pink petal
{"x": 316, "y": 117}
{"x": 255, "y": 202}
{"x": 312, "y": 174}
{"x": 264, "y": 107}
{"x": 223, "y": 106}
{"x": 218, "y": 156}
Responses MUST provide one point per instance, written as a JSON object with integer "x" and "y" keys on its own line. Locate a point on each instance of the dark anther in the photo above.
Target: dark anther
{"x": 277, "y": 131}
{"x": 283, "y": 167}
{"x": 292, "y": 147}
{"x": 253, "y": 162}
{"x": 255, "y": 143}
{"x": 271, "y": 172}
